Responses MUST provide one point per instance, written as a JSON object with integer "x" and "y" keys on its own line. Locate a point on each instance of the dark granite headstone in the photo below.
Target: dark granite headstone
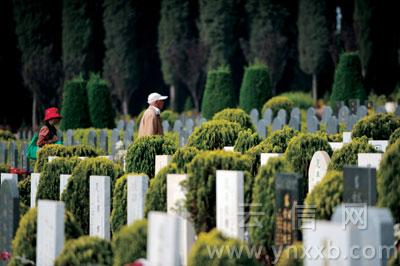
{"x": 359, "y": 185}
{"x": 13, "y": 154}
{"x": 397, "y": 110}
{"x": 337, "y": 106}
{"x": 353, "y": 105}
{"x": 332, "y": 126}
{"x": 3, "y": 152}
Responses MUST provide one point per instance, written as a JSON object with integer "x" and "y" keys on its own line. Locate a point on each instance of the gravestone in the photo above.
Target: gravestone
{"x": 347, "y": 137}
{"x": 351, "y": 121}
{"x": 262, "y": 128}
{"x": 161, "y": 162}
{"x": 163, "y": 239}
{"x": 327, "y": 113}
{"x": 295, "y": 123}
{"x": 9, "y": 214}
{"x": 63, "y": 182}
{"x": 369, "y": 160}
{"x": 24, "y": 157}
{"x": 121, "y": 125}
{"x": 343, "y": 114}
{"x": 397, "y": 113}
{"x": 178, "y": 126}
{"x": 70, "y": 138}
{"x": 114, "y": 140}
{"x": 359, "y": 185}
{"x": 296, "y": 113}
{"x": 189, "y": 126}
{"x": 332, "y": 126}
{"x": 337, "y": 106}
{"x": 288, "y": 191}
{"x": 100, "y": 208}
{"x": 254, "y": 116}
{"x": 50, "y": 231}
{"x": 128, "y": 138}
{"x": 264, "y": 157}
{"x": 318, "y": 168}
{"x": 7, "y": 176}
{"x": 380, "y": 110}
{"x": 376, "y": 235}
{"x": 92, "y": 138}
{"x": 104, "y": 140}
{"x": 165, "y": 126}
{"x": 379, "y": 145}
{"x": 130, "y": 127}
{"x": 353, "y": 105}
{"x": 3, "y": 152}
{"x": 282, "y": 115}
{"x": 362, "y": 111}
{"x": 277, "y": 124}
{"x": 311, "y": 112}
{"x": 267, "y": 116}
{"x": 229, "y": 148}
{"x": 312, "y": 124}
{"x": 230, "y": 203}
{"x": 13, "y": 154}
{"x": 137, "y": 186}
{"x": 336, "y": 145}
{"x": 51, "y": 158}
{"x": 35, "y": 177}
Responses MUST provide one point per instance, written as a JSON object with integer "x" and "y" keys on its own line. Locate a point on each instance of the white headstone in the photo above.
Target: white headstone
{"x": 35, "y": 177}
{"x": 136, "y": 194}
{"x": 175, "y": 205}
{"x": 109, "y": 157}
{"x": 369, "y": 160}
{"x": 346, "y": 137}
{"x": 50, "y": 231}
{"x": 229, "y": 148}
{"x": 82, "y": 158}
{"x": 100, "y": 187}
{"x": 264, "y": 157}
{"x": 51, "y": 158}
{"x": 161, "y": 162}
{"x": 379, "y": 145}
{"x": 163, "y": 239}
{"x": 318, "y": 168}
{"x": 63, "y": 182}
{"x": 6, "y": 176}
{"x": 336, "y": 145}
{"x": 230, "y": 203}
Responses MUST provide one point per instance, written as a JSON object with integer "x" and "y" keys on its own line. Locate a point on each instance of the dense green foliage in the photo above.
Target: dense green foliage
{"x": 169, "y": 116}
{"x": 235, "y": 115}
{"x": 278, "y": 102}
{"x": 256, "y": 88}
{"x": 292, "y": 255}
{"x": 302, "y": 100}
{"x": 246, "y": 140}
{"x": 376, "y": 126}
{"x": 119, "y": 214}
{"x": 394, "y": 136}
{"x": 183, "y": 156}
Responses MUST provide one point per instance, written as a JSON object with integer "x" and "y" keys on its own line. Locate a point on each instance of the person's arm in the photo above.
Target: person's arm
{"x": 42, "y": 138}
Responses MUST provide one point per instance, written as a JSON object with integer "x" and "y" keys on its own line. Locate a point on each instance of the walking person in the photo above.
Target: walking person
{"x": 48, "y": 132}
{"x": 151, "y": 121}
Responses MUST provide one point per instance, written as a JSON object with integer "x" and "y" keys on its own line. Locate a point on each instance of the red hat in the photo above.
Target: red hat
{"x": 51, "y": 113}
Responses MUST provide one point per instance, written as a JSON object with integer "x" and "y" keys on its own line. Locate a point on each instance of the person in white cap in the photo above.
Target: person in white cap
{"x": 151, "y": 120}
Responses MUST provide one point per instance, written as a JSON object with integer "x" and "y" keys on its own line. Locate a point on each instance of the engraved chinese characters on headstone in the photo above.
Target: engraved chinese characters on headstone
{"x": 230, "y": 203}
{"x": 63, "y": 182}
{"x": 161, "y": 161}
{"x": 137, "y": 187}
{"x": 379, "y": 145}
{"x": 50, "y": 231}
{"x": 100, "y": 187}
{"x": 369, "y": 160}
{"x": 264, "y": 157}
{"x": 9, "y": 214}
{"x": 288, "y": 190}
{"x": 35, "y": 177}
{"x": 359, "y": 185}
{"x": 163, "y": 239}
{"x": 318, "y": 168}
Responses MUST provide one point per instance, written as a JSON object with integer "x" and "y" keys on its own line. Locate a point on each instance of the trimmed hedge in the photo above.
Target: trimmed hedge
{"x": 24, "y": 243}
{"x": 119, "y": 214}
{"x": 133, "y": 236}
{"x": 86, "y": 250}
{"x": 235, "y": 115}
{"x": 142, "y": 153}
{"x": 75, "y": 109}
{"x": 246, "y": 140}
{"x": 326, "y": 195}
{"x": 76, "y": 195}
{"x": 376, "y": 126}
{"x": 388, "y": 181}
{"x": 214, "y": 135}
{"x": 348, "y": 83}
{"x": 183, "y": 156}
{"x": 201, "y": 186}
{"x": 278, "y": 102}
{"x": 170, "y": 116}
{"x": 200, "y": 256}
{"x": 256, "y": 87}
{"x": 24, "y": 190}
{"x": 218, "y": 93}
{"x": 264, "y": 197}
{"x": 348, "y": 154}
{"x": 394, "y": 136}
{"x": 292, "y": 255}
{"x": 302, "y": 100}
{"x": 4, "y": 168}
{"x": 102, "y": 113}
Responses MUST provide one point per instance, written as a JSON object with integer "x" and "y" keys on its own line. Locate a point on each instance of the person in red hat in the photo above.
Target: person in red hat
{"x": 48, "y": 132}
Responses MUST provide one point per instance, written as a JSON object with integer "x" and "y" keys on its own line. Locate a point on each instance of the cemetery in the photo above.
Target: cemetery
{"x": 193, "y": 133}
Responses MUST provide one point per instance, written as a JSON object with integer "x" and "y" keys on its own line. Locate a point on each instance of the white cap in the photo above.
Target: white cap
{"x": 155, "y": 97}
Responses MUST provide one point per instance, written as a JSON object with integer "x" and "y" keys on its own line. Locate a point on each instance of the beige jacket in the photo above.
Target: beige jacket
{"x": 150, "y": 123}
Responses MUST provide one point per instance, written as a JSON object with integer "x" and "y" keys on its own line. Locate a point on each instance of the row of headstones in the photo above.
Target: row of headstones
{"x": 9, "y": 154}
{"x": 183, "y": 129}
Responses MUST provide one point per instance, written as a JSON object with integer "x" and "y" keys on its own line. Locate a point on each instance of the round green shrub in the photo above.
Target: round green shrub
{"x": 348, "y": 154}
{"x": 264, "y": 201}
{"x": 218, "y": 93}
{"x": 133, "y": 236}
{"x": 278, "y": 102}
{"x": 201, "y": 186}
{"x": 50, "y": 150}
{"x": 76, "y": 195}
{"x": 142, "y": 153}
{"x": 256, "y": 87}
{"x": 84, "y": 151}
{"x": 24, "y": 243}
{"x": 235, "y": 115}
{"x": 388, "y": 181}
{"x": 246, "y": 140}
{"x": 214, "y": 135}
{"x": 170, "y": 116}
{"x": 24, "y": 190}
{"x": 75, "y": 109}
{"x": 348, "y": 82}
{"x": 394, "y": 136}
{"x": 200, "y": 256}
{"x": 49, "y": 183}
{"x": 183, "y": 156}
{"x": 156, "y": 195}
{"x": 376, "y": 126}
{"x": 86, "y": 250}
{"x": 302, "y": 100}
{"x": 326, "y": 195}
{"x": 102, "y": 114}
{"x": 300, "y": 151}
{"x": 394, "y": 260}
{"x": 292, "y": 255}
{"x": 119, "y": 215}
